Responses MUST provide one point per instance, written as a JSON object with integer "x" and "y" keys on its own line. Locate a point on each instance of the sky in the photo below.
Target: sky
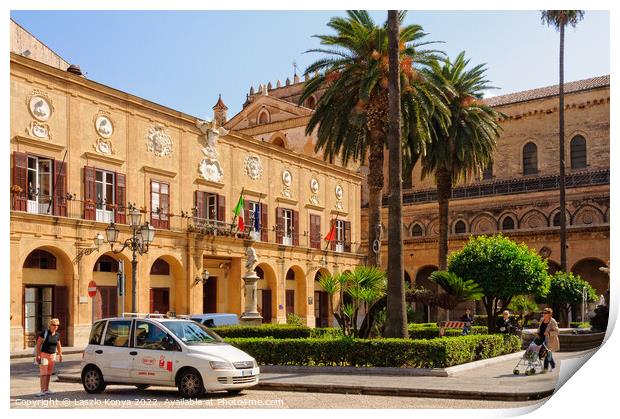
{"x": 184, "y": 59}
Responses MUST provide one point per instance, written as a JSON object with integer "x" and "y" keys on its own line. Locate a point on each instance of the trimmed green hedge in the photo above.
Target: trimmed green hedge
{"x": 434, "y": 353}
{"x": 277, "y": 331}
{"x": 583, "y": 325}
{"x": 432, "y": 332}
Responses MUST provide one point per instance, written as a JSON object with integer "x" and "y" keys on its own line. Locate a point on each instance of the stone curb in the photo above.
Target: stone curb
{"x": 65, "y": 351}
{"x": 407, "y": 392}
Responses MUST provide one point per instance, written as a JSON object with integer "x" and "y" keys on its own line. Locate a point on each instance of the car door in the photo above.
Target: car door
{"x": 153, "y": 354}
{"x": 113, "y": 355}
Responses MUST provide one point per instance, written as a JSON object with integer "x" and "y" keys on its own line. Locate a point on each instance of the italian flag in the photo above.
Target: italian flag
{"x": 331, "y": 236}
{"x": 238, "y": 211}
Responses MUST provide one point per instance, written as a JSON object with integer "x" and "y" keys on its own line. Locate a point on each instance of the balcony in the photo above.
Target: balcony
{"x": 512, "y": 186}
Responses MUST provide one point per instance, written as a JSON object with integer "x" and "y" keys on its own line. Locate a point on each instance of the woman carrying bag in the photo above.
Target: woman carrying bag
{"x": 48, "y": 344}
{"x": 549, "y": 332}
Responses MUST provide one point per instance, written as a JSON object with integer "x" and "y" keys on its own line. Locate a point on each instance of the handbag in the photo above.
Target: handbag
{"x": 34, "y": 350}
{"x": 542, "y": 353}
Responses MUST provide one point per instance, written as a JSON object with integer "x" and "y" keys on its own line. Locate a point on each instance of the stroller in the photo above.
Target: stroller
{"x": 532, "y": 358}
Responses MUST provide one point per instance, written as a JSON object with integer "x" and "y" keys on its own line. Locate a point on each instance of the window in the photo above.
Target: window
{"x": 315, "y": 231}
{"x": 578, "y": 152}
{"x": 254, "y": 220}
{"x": 96, "y": 333}
{"x": 149, "y": 336}
{"x": 117, "y": 333}
{"x": 106, "y": 264}
{"x": 279, "y": 142}
{"x": 530, "y": 159}
{"x": 40, "y": 259}
{"x": 340, "y": 236}
{"x": 290, "y": 275}
{"x": 39, "y": 185}
{"x": 288, "y": 227}
{"x": 459, "y": 227}
{"x": 508, "y": 224}
{"x": 263, "y": 117}
{"x": 311, "y": 102}
{"x": 556, "y": 220}
{"x": 160, "y": 267}
{"x": 259, "y": 272}
{"x": 160, "y": 204}
{"x": 211, "y": 207}
{"x": 487, "y": 173}
{"x": 104, "y": 193}
{"x": 416, "y": 231}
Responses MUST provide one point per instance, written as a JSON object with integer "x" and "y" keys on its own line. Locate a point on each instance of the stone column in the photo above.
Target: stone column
{"x": 251, "y": 316}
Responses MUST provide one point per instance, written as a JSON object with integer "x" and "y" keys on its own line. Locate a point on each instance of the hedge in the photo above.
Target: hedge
{"x": 431, "y": 332}
{"x": 275, "y": 331}
{"x": 581, "y": 325}
{"x": 432, "y": 353}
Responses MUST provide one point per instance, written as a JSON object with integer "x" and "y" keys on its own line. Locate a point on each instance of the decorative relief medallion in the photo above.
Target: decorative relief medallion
{"x": 253, "y": 167}
{"x": 103, "y": 125}
{"x": 339, "y": 194}
{"x": 287, "y": 193}
{"x": 339, "y": 205}
{"x": 314, "y": 185}
{"x": 209, "y": 167}
{"x": 103, "y": 146}
{"x": 545, "y": 252}
{"x": 159, "y": 142}
{"x": 287, "y": 178}
{"x": 40, "y": 105}
{"x": 39, "y": 130}
{"x": 314, "y": 200}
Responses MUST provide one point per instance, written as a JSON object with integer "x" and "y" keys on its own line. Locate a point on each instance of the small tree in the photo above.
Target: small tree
{"x": 523, "y": 306}
{"x": 457, "y": 290}
{"x": 565, "y": 290}
{"x": 503, "y": 269}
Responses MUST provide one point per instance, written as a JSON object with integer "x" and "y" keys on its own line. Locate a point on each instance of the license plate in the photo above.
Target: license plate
{"x": 246, "y": 373}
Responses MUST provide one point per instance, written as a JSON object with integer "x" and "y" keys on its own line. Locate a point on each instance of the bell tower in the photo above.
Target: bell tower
{"x": 219, "y": 112}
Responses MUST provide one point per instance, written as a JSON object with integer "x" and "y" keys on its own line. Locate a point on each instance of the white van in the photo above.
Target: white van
{"x": 161, "y": 351}
{"x": 216, "y": 319}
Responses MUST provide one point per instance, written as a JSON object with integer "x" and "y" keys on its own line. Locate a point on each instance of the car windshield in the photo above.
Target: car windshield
{"x": 192, "y": 333}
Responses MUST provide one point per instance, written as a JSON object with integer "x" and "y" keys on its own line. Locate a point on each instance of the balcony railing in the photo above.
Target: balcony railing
{"x": 512, "y": 186}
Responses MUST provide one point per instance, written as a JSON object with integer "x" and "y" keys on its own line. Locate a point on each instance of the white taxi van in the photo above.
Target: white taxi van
{"x": 149, "y": 350}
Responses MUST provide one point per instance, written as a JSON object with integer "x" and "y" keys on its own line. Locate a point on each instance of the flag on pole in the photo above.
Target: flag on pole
{"x": 331, "y": 236}
{"x": 257, "y": 217}
{"x": 238, "y": 211}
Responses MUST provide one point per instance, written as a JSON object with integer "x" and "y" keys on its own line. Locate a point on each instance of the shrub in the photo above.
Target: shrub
{"x": 295, "y": 320}
{"x": 432, "y": 332}
{"x": 434, "y": 353}
{"x": 284, "y": 331}
{"x": 581, "y": 325}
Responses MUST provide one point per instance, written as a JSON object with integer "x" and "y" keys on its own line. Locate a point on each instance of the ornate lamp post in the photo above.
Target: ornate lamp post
{"x": 141, "y": 238}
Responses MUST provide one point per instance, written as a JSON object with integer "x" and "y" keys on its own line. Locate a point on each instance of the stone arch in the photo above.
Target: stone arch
{"x": 106, "y": 302}
{"x": 408, "y": 278}
{"x": 422, "y": 281}
{"x": 587, "y": 215}
{"x": 322, "y": 302}
{"x": 533, "y": 219}
{"x": 267, "y": 292}
{"x": 311, "y": 102}
{"x": 580, "y": 139}
{"x": 505, "y": 215}
{"x": 459, "y": 226}
{"x": 263, "y": 117}
{"x": 279, "y": 139}
{"x": 417, "y": 230}
{"x": 432, "y": 228}
{"x": 44, "y": 293}
{"x": 298, "y": 284}
{"x": 530, "y": 161}
{"x": 175, "y": 283}
{"x": 588, "y": 269}
{"x": 484, "y": 223}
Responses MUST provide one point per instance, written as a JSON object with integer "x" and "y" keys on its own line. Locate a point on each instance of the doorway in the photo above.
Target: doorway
{"x": 209, "y": 296}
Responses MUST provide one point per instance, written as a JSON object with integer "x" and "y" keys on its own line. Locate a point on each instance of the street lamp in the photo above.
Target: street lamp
{"x": 205, "y": 277}
{"x": 141, "y": 237}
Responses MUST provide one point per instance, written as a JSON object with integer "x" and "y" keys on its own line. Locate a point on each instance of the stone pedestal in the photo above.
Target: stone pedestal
{"x": 251, "y": 316}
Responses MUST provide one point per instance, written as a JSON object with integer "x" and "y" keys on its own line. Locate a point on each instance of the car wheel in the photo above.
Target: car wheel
{"x": 142, "y": 386}
{"x": 92, "y": 380}
{"x": 190, "y": 384}
{"x": 233, "y": 392}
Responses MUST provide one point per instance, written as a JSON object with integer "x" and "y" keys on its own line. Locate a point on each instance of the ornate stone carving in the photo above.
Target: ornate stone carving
{"x": 287, "y": 178}
{"x": 40, "y": 105}
{"x": 103, "y": 146}
{"x": 252, "y": 259}
{"x": 39, "y": 130}
{"x": 287, "y": 193}
{"x": 339, "y": 194}
{"x": 209, "y": 167}
{"x": 253, "y": 167}
{"x": 314, "y": 200}
{"x": 544, "y": 252}
{"x": 314, "y": 185}
{"x": 103, "y": 125}
{"x": 159, "y": 142}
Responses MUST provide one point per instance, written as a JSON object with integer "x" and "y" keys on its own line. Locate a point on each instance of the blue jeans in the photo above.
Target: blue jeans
{"x": 549, "y": 360}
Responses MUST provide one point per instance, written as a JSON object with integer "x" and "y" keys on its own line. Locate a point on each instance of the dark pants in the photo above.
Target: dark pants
{"x": 549, "y": 360}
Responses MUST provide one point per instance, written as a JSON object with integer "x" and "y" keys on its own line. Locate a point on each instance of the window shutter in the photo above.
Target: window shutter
{"x": 221, "y": 208}
{"x": 266, "y": 303}
{"x": 154, "y": 215}
{"x": 295, "y": 228}
{"x": 264, "y": 223}
{"x": 151, "y": 300}
{"x": 60, "y": 189}
{"x": 315, "y": 231}
{"x": 347, "y": 236}
{"x": 332, "y": 244}
{"x": 199, "y": 204}
{"x": 89, "y": 193}
{"x": 61, "y": 311}
{"x": 120, "y": 213}
{"x": 164, "y": 203}
{"x": 279, "y": 225}
{"x": 20, "y": 178}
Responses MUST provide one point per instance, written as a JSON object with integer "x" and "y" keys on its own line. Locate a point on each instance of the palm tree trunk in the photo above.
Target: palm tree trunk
{"x": 375, "y": 196}
{"x": 444, "y": 192}
{"x": 563, "y": 243}
{"x": 396, "y": 322}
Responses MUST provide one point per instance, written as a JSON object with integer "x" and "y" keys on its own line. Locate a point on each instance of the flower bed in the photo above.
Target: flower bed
{"x": 409, "y": 353}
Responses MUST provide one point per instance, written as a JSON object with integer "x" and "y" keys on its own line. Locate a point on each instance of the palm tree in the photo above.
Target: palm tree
{"x": 352, "y": 115}
{"x": 457, "y": 290}
{"x": 466, "y": 147}
{"x": 559, "y": 19}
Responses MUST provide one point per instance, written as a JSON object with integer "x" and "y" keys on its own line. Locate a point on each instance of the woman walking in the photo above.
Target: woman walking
{"x": 48, "y": 344}
{"x": 549, "y": 332}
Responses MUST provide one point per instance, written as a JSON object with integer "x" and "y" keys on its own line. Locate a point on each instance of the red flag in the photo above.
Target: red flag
{"x": 332, "y": 233}
{"x": 241, "y": 226}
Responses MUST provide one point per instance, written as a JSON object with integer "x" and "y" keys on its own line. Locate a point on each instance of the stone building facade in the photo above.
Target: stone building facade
{"x": 83, "y": 153}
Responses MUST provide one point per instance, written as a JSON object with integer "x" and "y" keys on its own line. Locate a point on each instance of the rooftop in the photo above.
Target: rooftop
{"x": 549, "y": 91}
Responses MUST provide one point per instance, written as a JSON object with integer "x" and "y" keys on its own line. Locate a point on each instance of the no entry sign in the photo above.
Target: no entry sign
{"x": 92, "y": 289}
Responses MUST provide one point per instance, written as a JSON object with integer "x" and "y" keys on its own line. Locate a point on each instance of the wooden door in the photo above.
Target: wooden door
{"x": 160, "y": 300}
{"x": 209, "y": 296}
{"x": 290, "y": 302}
{"x": 266, "y": 305}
